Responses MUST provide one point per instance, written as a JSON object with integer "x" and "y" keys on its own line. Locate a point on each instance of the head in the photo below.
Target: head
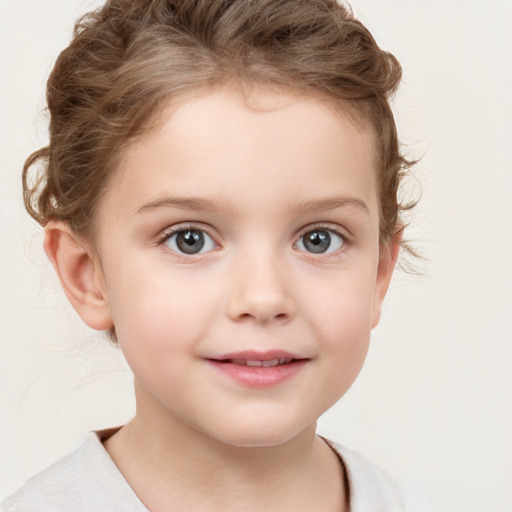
{"x": 123, "y": 99}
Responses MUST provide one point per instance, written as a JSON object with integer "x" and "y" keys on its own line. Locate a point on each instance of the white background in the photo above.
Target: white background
{"x": 434, "y": 403}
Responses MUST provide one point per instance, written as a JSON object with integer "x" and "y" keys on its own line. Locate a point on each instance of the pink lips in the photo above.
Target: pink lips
{"x": 259, "y": 369}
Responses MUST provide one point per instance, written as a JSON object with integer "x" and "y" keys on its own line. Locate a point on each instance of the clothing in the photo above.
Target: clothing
{"x": 87, "y": 480}
{"x": 370, "y": 488}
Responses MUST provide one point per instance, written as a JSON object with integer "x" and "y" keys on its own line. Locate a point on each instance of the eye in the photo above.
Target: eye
{"x": 320, "y": 241}
{"x": 190, "y": 241}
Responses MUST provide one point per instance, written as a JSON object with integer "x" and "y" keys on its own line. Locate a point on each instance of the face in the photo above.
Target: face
{"x": 239, "y": 249}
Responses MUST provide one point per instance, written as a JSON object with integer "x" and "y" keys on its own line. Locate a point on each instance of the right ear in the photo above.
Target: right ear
{"x": 80, "y": 274}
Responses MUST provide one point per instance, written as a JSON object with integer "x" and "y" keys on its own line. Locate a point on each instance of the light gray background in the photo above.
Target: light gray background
{"x": 433, "y": 404}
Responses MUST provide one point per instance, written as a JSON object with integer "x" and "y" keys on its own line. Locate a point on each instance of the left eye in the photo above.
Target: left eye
{"x": 190, "y": 241}
{"x": 320, "y": 241}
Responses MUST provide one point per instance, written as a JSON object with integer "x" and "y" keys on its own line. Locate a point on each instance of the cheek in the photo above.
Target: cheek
{"x": 341, "y": 317}
{"x": 344, "y": 350}
{"x": 342, "y": 305}
{"x": 345, "y": 335}
{"x": 158, "y": 313}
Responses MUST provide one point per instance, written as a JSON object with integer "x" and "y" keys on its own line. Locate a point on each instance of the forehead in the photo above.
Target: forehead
{"x": 224, "y": 142}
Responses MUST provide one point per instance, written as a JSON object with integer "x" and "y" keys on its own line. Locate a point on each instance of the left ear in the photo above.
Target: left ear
{"x": 387, "y": 261}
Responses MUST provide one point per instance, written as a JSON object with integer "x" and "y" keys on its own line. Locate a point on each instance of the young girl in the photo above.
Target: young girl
{"x": 220, "y": 194}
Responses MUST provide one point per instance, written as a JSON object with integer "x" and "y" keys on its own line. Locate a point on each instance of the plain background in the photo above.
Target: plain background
{"x": 433, "y": 403}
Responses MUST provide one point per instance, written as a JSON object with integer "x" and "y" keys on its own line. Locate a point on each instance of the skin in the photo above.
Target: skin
{"x": 260, "y": 179}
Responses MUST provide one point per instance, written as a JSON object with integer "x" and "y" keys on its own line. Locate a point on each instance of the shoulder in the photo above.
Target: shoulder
{"x": 371, "y": 488}
{"x": 86, "y": 480}
{"x": 52, "y": 489}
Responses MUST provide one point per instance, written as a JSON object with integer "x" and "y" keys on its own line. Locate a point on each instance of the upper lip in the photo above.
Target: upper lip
{"x": 255, "y": 355}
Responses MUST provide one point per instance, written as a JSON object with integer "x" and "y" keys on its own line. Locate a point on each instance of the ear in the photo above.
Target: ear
{"x": 387, "y": 261}
{"x": 80, "y": 274}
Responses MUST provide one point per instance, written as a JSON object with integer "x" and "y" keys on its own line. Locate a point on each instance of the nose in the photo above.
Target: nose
{"x": 260, "y": 292}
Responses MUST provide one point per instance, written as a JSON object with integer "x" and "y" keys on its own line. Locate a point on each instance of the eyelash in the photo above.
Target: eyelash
{"x": 331, "y": 229}
{"x": 168, "y": 233}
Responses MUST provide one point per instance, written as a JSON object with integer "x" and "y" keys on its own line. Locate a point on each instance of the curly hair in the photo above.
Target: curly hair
{"x": 131, "y": 57}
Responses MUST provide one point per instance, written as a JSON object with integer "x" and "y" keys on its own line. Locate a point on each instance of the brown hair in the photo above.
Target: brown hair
{"x": 129, "y": 57}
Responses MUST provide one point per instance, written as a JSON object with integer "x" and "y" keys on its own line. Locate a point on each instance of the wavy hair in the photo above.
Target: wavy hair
{"x": 131, "y": 57}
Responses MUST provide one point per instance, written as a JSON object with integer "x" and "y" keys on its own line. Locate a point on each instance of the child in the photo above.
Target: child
{"x": 220, "y": 195}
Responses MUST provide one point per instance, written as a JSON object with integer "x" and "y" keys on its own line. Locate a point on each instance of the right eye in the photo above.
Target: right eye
{"x": 189, "y": 241}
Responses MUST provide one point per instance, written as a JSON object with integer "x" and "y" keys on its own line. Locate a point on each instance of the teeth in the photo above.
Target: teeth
{"x": 265, "y": 364}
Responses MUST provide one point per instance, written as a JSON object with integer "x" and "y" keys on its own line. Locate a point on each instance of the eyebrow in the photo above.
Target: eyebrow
{"x": 184, "y": 203}
{"x": 201, "y": 204}
{"x": 330, "y": 203}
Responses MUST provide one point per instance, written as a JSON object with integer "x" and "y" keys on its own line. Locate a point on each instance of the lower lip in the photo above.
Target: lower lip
{"x": 259, "y": 376}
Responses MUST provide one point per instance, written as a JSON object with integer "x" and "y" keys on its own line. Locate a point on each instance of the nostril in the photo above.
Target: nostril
{"x": 261, "y": 307}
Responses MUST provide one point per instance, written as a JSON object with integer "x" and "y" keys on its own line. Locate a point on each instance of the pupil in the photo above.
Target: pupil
{"x": 190, "y": 242}
{"x": 317, "y": 241}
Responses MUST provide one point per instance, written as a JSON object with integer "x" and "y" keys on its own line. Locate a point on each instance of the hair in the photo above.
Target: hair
{"x": 130, "y": 58}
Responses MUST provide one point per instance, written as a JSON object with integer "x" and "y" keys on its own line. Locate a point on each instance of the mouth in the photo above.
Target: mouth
{"x": 265, "y": 363}
{"x": 259, "y": 369}
{"x": 267, "y": 359}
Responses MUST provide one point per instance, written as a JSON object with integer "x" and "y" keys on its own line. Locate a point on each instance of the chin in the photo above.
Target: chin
{"x": 262, "y": 436}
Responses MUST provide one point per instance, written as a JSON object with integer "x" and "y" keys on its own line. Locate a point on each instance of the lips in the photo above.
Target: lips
{"x": 259, "y": 369}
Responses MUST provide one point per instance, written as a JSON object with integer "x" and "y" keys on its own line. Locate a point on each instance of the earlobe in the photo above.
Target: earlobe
{"x": 79, "y": 273}
{"x": 387, "y": 263}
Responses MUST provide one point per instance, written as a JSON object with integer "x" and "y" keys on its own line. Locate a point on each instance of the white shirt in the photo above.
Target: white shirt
{"x": 87, "y": 480}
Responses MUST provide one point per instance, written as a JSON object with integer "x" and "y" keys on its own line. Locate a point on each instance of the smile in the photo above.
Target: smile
{"x": 259, "y": 369}
{"x": 256, "y": 362}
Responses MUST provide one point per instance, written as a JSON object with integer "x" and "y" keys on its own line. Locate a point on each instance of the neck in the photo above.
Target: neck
{"x": 168, "y": 462}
